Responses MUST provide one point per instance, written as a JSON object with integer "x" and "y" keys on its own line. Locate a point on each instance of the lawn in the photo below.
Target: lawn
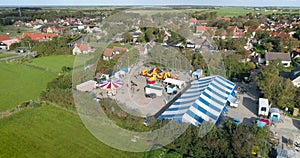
{"x": 20, "y": 83}
{"x": 240, "y": 11}
{"x": 54, "y": 63}
{"x": 14, "y": 31}
{"x": 48, "y": 131}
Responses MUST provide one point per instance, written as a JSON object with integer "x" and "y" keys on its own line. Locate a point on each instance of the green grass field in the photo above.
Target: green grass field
{"x": 20, "y": 83}
{"x": 54, "y": 63}
{"x": 239, "y": 11}
{"x": 48, "y": 131}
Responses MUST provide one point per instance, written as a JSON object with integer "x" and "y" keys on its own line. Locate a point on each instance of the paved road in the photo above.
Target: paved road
{"x": 18, "y": 55}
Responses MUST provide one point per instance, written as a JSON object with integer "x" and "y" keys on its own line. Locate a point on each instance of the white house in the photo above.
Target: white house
{"x": 295, "y": 76}
{"x": 81, "y": 49}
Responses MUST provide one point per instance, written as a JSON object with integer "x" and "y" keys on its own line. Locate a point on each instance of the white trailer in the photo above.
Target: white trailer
{"x": 154, "y": 89}
{"x": 263, "y": 107}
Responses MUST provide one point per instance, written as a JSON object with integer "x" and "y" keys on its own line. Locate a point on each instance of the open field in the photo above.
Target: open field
{"x": 48, "y": 131}
{"x": 222, "y": 11}
{"x": 54, "y": 63}
{"x": 239, "y": 11}
{"x": 20, "y": 83}
{"x": 14, "y": 31}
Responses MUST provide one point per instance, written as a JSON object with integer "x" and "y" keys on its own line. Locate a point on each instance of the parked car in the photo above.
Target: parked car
{"x": 236, "y": 120}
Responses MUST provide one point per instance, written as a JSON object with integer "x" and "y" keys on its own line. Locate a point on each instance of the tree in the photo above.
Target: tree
{"x": 268, "y": 46}
{"x": 279, "y": 91}
{"x": 288, "y": 44}
{"x": 127, "y": 37}
{"x": 252, "y": 23}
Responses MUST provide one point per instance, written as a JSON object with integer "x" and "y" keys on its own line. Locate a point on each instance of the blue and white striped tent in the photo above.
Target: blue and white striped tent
{"x": 205, "y": 100}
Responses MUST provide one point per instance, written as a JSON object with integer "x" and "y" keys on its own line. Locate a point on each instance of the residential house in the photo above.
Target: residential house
{"x": 108, "y": 54}
{"x": 295, "y": 53}
{"x": 193, "y": 21}
{"x": 38, "y": 36}
{"x": 201, "y": 29}
{"x": 81, "y": 49}
{"x": 9, "y": 42}
{"x": 236, "y": 32}
{"x": 295, "y": 76}
{"x": 284, "y": 57}
{"x": 4, "y": 37}
{"x": 52, "y": 29}
{"x": 118, "y": 50}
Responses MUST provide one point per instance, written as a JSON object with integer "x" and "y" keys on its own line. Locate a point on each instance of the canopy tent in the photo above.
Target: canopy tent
{"x": 110, "y": 84}
{"x": 205, "y": 100}
{"x": 86, "y": 86}
{"x": 197, "y": 74}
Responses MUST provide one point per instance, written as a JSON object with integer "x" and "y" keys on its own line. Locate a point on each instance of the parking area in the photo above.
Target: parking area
{"x": 247, "y": 111}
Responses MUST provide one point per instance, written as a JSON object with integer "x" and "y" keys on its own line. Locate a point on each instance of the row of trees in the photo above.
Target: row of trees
{"x": 235, "y": 68}
{"x": 272, "y": 44}
{"x": 280, "y": 91}
{"x": 59, "y": 92}
{"x": 229, "y": 141}
{"x": 57, "y": 46}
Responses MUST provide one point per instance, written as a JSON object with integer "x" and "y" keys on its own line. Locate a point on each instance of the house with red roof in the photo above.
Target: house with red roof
{"x": 4, "y": 37}
{"x": 52, "y": 29}
{"x": 108, "y": 54}
{"x": 38, "y": 36}
{"x": 201, "y": 29}
{"x": 8, "y": 43}
{"x": 193, "y": 21}
{"x": 81, "y": 49}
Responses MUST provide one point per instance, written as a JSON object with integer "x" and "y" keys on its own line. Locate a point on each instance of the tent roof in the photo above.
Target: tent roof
{"x": 204, "y": 101}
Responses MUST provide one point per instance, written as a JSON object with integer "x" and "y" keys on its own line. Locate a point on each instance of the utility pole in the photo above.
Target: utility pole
{"x": 20, "y": 12}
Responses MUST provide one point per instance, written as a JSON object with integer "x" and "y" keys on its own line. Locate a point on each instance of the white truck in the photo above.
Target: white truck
{"x": 263, "y": 107}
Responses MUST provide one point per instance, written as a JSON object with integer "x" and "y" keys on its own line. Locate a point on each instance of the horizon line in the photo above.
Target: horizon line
{"x": 137, "y": 5}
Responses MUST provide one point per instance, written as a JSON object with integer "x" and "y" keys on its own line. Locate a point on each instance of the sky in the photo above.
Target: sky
{"x": 289, "y": 3}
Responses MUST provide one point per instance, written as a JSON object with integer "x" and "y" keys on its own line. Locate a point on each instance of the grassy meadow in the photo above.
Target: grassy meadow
{"x": 54, "y": 63}
{"x": 20, "y": 83}
{"x": 48, "y": 131}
